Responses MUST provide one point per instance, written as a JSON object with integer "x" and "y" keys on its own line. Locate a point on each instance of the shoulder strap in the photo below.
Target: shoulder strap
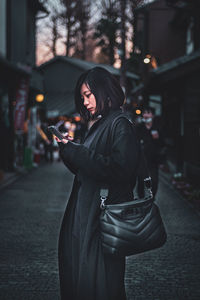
{"x": 143, "y": 161}
{"x": 142, "y": 164}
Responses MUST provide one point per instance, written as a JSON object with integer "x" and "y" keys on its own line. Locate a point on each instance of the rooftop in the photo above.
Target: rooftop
{"x": 86, "y": 65}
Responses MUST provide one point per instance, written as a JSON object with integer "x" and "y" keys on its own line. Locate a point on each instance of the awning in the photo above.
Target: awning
{"x": 173, "y": 70}
{"x": 59, "y": 104}
{"x": 169, "y": 72}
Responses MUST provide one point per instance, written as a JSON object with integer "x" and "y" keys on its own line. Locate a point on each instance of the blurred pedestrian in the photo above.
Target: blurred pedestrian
{"x": 47, "y": 139}
{"x": 152, "y": 143}
{"x": 86, "y": 273}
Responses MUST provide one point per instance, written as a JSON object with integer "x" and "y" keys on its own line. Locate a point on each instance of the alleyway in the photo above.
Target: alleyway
{"x": 31, "y": 210}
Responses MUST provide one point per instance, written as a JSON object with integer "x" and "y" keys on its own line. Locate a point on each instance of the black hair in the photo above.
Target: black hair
{"x": 148, "y": 109}
{"x": 106, "y": 89}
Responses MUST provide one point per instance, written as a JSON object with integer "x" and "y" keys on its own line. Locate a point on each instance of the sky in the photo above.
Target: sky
{"x": 42, "y": 51}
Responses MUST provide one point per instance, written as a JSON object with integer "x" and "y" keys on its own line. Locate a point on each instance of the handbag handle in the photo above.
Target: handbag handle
{"x": 148, "y": 192}
{"x": 103, "y": 197}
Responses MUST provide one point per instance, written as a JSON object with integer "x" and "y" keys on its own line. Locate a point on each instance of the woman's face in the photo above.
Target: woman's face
{"x": 89, "y": 100}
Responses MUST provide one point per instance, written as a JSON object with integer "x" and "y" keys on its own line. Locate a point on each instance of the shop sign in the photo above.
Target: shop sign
{"x": 20, "y": 108}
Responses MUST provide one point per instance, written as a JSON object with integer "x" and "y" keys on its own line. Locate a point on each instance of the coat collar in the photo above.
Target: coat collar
{"x": 105, "y": 119}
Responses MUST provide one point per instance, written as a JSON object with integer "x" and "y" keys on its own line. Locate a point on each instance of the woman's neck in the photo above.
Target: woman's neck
{"x": 91, "y": 122}
{"x": 148, "y": 125}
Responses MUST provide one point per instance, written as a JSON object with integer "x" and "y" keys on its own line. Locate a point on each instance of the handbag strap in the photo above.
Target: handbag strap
{"x": 147, "y": 179}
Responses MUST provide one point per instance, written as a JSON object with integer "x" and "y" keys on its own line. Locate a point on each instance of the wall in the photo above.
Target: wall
{"x": 17, "y": 27}
{"x": 192, "y": 118}
{"x": 3, "y": 27}
{"x": 164, "y": 41}
{"x": 30, "y": 36}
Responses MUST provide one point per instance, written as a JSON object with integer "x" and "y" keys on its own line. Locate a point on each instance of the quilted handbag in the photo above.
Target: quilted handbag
{"x": 131, "y": 227}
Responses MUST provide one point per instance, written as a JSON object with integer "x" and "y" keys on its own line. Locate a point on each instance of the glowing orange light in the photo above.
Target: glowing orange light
{"x": 39, "y": 97}
{"x": 138, "y": 112}
{"x": 77, "y": 118}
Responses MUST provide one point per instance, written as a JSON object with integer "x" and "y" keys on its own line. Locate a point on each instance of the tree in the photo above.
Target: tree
{"x": 133, "y": 62}
{"x": 127, "y": 9}
{"x": 106, "y": 29}
{"x": 55, "y": 33}
{"x": 76, "y": 18}
{"x": 82, "y": 17}
{"x": 70, "y": 21}
{"x": 123, "y": 4}
{"x": 49, "y": 31}
{"x": 69, "y": 24}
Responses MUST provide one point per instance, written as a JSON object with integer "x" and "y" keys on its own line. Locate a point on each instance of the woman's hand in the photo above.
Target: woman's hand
{"x": 64, "y": 141}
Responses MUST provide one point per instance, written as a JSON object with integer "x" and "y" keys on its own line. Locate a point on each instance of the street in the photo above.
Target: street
{"x": 31, "y": 211}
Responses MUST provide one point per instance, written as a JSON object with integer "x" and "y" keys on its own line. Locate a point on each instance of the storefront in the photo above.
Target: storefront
{"x": 10, "y": 77}
{"x": 177, "y": 85}
{"x": 18, "y": 115}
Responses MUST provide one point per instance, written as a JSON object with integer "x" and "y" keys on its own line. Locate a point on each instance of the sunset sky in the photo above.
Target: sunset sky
{"x": 42, "y": 52}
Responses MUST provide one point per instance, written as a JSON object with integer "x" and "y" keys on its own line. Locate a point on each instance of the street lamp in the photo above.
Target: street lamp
{"x": 147, "y": 59}
{"x": 39, "y": 98}
{"x": 138, "y": 112}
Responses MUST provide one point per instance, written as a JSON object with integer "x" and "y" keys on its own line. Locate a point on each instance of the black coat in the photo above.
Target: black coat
{"x": 97, "y": 161}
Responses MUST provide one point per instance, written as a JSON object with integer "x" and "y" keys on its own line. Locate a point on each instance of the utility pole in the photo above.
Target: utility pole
{"x": 123, "y": 45}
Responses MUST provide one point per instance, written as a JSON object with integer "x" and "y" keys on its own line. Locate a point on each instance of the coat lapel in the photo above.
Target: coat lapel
{"x": 99, "y": 128}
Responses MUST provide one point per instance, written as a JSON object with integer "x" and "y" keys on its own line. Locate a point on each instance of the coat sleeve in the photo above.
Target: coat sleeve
{"x": 119, "y": 165}
{"x": 66, "y": 157}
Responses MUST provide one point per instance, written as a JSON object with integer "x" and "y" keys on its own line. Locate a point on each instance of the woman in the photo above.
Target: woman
{"x": 86, "y": 273}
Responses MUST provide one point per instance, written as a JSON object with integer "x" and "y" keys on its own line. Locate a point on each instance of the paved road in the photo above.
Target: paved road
{"x": 31, "y": 210}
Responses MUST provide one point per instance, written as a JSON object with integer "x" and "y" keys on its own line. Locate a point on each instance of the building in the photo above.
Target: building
{"x": 19, "y": 80}
{"x": 170, "y": 37}
{"x": 60, "y": 76}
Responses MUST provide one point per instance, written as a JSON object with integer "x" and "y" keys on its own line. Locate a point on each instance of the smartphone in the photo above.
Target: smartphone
{"x": 56, "y": 132}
